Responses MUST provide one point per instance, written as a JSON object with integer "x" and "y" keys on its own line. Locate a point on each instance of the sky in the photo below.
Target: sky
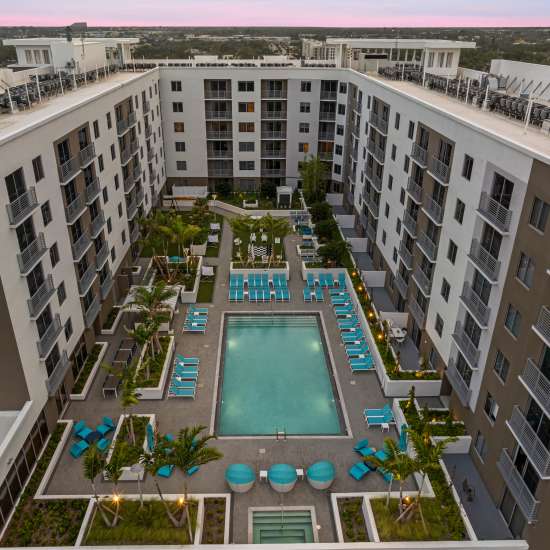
{"x": 298, "y": 13}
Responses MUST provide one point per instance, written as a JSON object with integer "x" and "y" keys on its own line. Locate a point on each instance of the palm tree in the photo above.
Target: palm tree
{"x": 242, "y": 227}
{"x": 313, "y": 173}
{"x": 153, "y": 229}
{"x": 129, "y": 396}
{"x": 94, "y": 464}
{"x": 113, "y": 471}
{"x": 334, "y": 252}
{"x": 275, "y": 227}
{"x": 190, "y": 449}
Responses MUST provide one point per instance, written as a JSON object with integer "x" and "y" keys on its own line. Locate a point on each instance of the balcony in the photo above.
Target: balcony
{"x": 148, "y": 131}
{"x": 92, "y": 191}
{"x": 434, "y": 210}
{"x": 122, "y": 126}
{"x": 371, "y": 232}
{"x": 410, "y": 224}
{"x": 517, "y": 486}
{"x": 427, "y": 246}
{"x": 327, "y": 115}
{"x": 58, "y": 374}
{"x": 439, "y": 170}
{"x": 417, "y": 312}
{"x": 129, "y": 183}
{"x": 106, "y": 286}
{"x": 372, "y": 206}
{"x": 146, "y": 107}
{"x": 220, "y": 172}
{"x": 460, "y": 387}
{"x": 542, "y": 326}
{"x": 376, "y": 150}
{"x": 47, "y": 340}
{"x": 529, "y": 441}
{"x": 374, "y": 178}
{"x": 465, "y": 345}
{"x": 31, "y": 255}
{"x": 483, "y": 259}
{"x": 326, "y": 136}
{"x": 134, "y": 146}
{"x": 273, "y": 94}
{"x": 86, "y": 280}
{"x": 326, "y": 155}
{"x": 68, "y": 170}
{"x": 22, "y": 206}
{"x": 494, "y": 213}
{"x": 101, "y": 256}
{"x": 131, "y": 209}
{"x": 406, "y": 255}
{"x": 140, "y": 195}
{"x": 135, "y": 234}
{"x": 275, "y": 153}
{"x": 132, "y": 118}
{"x": 97, "y": 224}
{"x": 414, "y": 190}
{"x": 217, "y": 134}
{"x": 423, "y": 282}
{"x": 419, "y": 155}
{"x": 537, "y": 384}
{"x": 401, "y": 285}
{"x": 274, "y": 172}
{"x": 152, "y": 175}
{"x": 277, "y": 114}
{"x": 217, "y": 94}
{"x": 86, "y": 155}
{"x": 80, "y": 246}
{"x": 92, "y": 311}
{"x": 136, "y": 171}
{"x": 37, "y": 302}
{"x": 150, "y": 155}
{"x": 217, "y": 115}
{"x": 219, "y": 154}
{"x": 378, "y": 122}
{"x": 328, "y": 95}
{"x": 75, "y": 209}
{"x": 475, "y": 305}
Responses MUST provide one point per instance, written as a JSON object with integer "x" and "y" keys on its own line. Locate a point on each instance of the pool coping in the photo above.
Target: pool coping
{"x": 333, "y": 376}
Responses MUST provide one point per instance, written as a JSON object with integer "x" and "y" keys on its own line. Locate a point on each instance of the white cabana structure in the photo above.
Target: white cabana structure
{"x": 284, "y": 196}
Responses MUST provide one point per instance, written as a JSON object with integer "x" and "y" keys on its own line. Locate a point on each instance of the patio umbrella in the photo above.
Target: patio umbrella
{"x": 282, "y": 477}
{"x": 240, "y": 477}
{"x": 321, "y": 474}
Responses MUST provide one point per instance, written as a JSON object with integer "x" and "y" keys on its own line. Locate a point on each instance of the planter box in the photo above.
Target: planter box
{"x": 401, "y": 388}
{"x": 460, "y": 446}
{"x": 157, "y": 392}
{"x": 251, "y": 204}
{"x": 333, "y": 270}
{"x": 225, "y": 207}
{"x": 271, "y": 271}
{"x": 84, "y": 393}
{"x": 116, "y": 322}
{"x": 190, "y": 296}
{"x": 198, "y": 249}
{"x": 127, "y": 474}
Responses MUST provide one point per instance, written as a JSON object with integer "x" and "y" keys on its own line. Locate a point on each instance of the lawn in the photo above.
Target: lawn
{"x": 206, "y": 289}
{"x": 86, "y": 369}
{"x": 155, "y": 366}
{"x": 264, "y": 203}
{"x": 352, "y": 519}
{"x": 149, "y": 525}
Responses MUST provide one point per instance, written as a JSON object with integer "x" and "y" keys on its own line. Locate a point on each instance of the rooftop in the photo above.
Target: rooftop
{"x": 400, "y": 43}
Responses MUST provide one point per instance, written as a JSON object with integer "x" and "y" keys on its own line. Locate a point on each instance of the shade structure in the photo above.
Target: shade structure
{"x": 240, "y": 477}
{"x": 321, "y": 474}
{"x": 282, "y": 477}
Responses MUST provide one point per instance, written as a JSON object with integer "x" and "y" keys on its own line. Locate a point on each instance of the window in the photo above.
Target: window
{"x": 513, "y": 320}
{"x": 181, "y": 165}
{"x": 303, "y": 147}
{"x": 387, "y": 210}
{"x": 398, "y": 226}
{"x": 117, "y": 184}
{"x": 109, "y": 225}
{"x": 339, "y": 130}
{"x": 119, "y": 208}
{"x": 245, "y": 86}
{"x": 501, "y": 366}
{"x": 113, "y": 254}
{"x": 406, "y": 163}
{"x": 303, "y": 128}
{"x": 96, "y": 129}
{"x": 246, "y": 146}
{"x": 113, "y": 152}
{"x": 459, "y": 211}
{"x": 61, "y": 293}
{"x": 247, "y": 107}
{"x": 539, "y": 214}
{"x": 343, "y": 88}
{"x": 338, "y": 150}
{"x": 491, "y": 407}
{"x": 341, "y": 109}
{"x": 54, "y": 254}
{"x": 175, "y": 85}
{"x": 410, "y": 133}
{"x": 180, "y": 146}
{"x": 46, "y": 213}
{"x": 445, "y": 289}
{"x": 467, "y": 167}
{"x": 177, "y": 107}
{"x": 246, "y": 127}
{"x": 100, "y": 163}
{"x": 390, "y": 182}
{"x": 402, "y": 196}
{"x": 109, "y": 121}
{"x": 105, "y": 194}
{"x": 438, "y": 324}
{"x": 397, "y": 120}
{"x": 394, "y": 255}
{"x": 480, "y": 445}
{"x": 305, "y": 86}
{"x": 123, "y": 236}
{"x": 305, "y": 107}
{"x": 246, "y": 165}
{"x": 337, "y": 169}
{"x": 393, "y": 151}
{"x": 179, "y": 127}
{"x": 37, "y": 168}
{"x": 68, "y": 329}
{"x": 451, "y": 252}
{"x": 383, "y": 237}
{"x": 526, "y": 270}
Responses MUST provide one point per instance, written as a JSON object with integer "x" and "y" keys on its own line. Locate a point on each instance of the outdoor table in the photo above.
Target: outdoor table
{"x": 123, "y": 357}
{"x": 111, "y": 385}
{"x": 399, "y": 334}
{"x": 215, "y": 226}
{"x": 93, "y": 436}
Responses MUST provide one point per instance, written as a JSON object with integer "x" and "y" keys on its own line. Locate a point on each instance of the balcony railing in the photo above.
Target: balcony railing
{"x": 97, "y": 223}
{"x": 135, "y": 234}
{"x": 58, "y": 374}
{"x": 220, "y": 172}
{"x": 134, "y": 146}
{"x": 136, "y": 171}
{"x": 276, "y": 153}
{"x": 132, "y": 118}
{"x": 537, "y": 384}
{"x": 406, "y": 255}
{"x": 146, "y": 107}
{"x": 328, "y": 95}
{"x": 129, "y": 183}
{"x": 526, "y": 501}
{"x": 22, "y": 206}
{"x": 274, "y": 114}
{"x": 222, "y": 134}
{"x": 414, "y": 190}
{"x": 458, "y": 383}
{"x": 529, "y": 441}
{"x": 542, "y": 326}
{"x": 495, "y": 213}
{"x": 475, "y": 305}
{"x": 86, "y": 155}
{"x": 372, "y": 206}
{"x": 152, "y": 175}
{"x": 417, "y": 312}
{"x": 439, "y": 170}
{"x": 92, "y": 190}
{"x": 101, "y": 255}
{"x": 80, "y": 246}
{"x": 47, "y": 340}
{"x": 326, "y": 136}
{"x": 75, "y": 209}
{"x": 401, "y": 285}
{"x": 419, "y": 155}
{"x": 428, "y": 247}
{"x": 276, "y": 172}
{"x": 92, "y": 311}
{"x": 376, "y": 150}
{"x": 121, "y": 126}
{"x": 487, "y": 263}
{"x": 217, "y": 94}
{"x": 150, "y": 155}
{"x": 326, "y": 155}
{"x": 273, "y": 94}
{"x": 371, "y": 232}
{"x": 374, "y": 178}
{"x": 410, "y": 224}
{"x": 68, "y": 170}
{"x": 327, "y": 115}
{"x": 41, "y": 297}
{"x": 86, "y": 280}
{"x": 422, "y": 282}
{"x": 434, "y": 210}
{"x": 131, "y": 209}
{"x": 148, "y": 131}
{"x": 378, "y": 122}
{"x": 218, "y": 154}
{"x": 30, "y": 256}
{"x": 468, "y": 348}
{"x": 216, "y": 115}
{"x": 106, "y": 286}
{"x": 140, "y": 195}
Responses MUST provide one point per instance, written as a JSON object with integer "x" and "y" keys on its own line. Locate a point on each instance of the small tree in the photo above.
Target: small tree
{"x": 113, "y": 470}
{"x": 129, "y": 396}
{"x": 314, "y": 175}
{"x": 333, "y": 253}
{"x": 94, "y": 464}
{"x": 326, "y": 230}
{"x": 320, "y": 211}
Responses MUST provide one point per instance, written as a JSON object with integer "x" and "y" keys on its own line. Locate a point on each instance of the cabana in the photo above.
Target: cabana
{"x": 284, "y": 196}
{"x": 282, "y": 477}
{"x": 321, "y": 474}
{"x": 240, "y": 477}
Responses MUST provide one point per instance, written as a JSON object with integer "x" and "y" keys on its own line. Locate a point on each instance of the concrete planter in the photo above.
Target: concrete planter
{"x": 157, "y": 392}
{"x": 460, "y": 446}
{"x": 401, "y": 388}
{"x": 84, "y": 393}
{"x": 190, "y": 296}
{"x": 114, "y": 327}
{"x": 333, "y": 270}
{"x": 271, "y": 271}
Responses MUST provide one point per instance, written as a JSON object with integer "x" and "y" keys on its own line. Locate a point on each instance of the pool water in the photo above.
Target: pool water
{"x": 276, "y": 378}
{"x": 274, "y": 527}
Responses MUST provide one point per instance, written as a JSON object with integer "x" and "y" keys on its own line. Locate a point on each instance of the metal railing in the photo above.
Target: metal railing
{"x": 106, "y": 286}
{"x": 326, "y": 155}
{"x": 131, "y": 209}
{"x": 487, "y": 263}
{"x": 410, "y": 224}
{"x": 475, "y": 304}
{"x": 274, "y": 153}
{"x": 401, "y": 285}
{"x": 22, "y": 206}
{"x": 134, "y": 146}
{"x": 328, "y": 95}
{"x": 146, "y": 107}
{"x": 374, "y": 178}
{"x": 220, "y": 172}
{"x": 47, "y": 340}
{"x": 326, "y": 136}
{"x": 530, "y": 442}
{"x": 439, "y": 170}
{"x": 148, "y": 131}
{"x": 273, "y": 172}
{"x": 41, "y": 297}
{"x": 423, "y": 282}
{"x": 434, "y": 210}
{"x": 537, "y": 384}
{"x": 135, "y": 234}
{"x": 121, "y": 126}
{"x": 417, "y": 312}
{"x": 217, "y": 153}
{"x": 414, "y": 190}
{"x": 542, "y": 326}
{"x": 129, "y": 183}
{"x": 219, "y": 134}
{"x": 371, "y": 232}
{"x": 406, "y": 255}
{"x": 86, "y": 155}
{"x": 327, "y": 115}
{"x": 460, "y": 387}
{"x": 216, "y": 115}
{"x": 136, "y": 171}
{"x": 101, "y": 255}
{"x": 373, "y": 207}
{"x": 468, "y": 348}
{"x": 97, "y": 223}
{"x": 58, "y": 374}
{"x": 80, "y": 246}
{"x": 132, "y": 118}
{"x": 92, "y": 311}
{"x": 86, "y": 280}
{"x": 428, "y": 247}
{"x": 270, "y": 94}
{"x": 376, "y": 150}
{"x": 140, "y": 195}
{"x": 378, "y": 122}
{"x": 217, "y": 94}
{"x": 493, "y": 211}
{"x": 30, "y": 256}
{"x": 92, "y": 190}
{"x": 69, "y": 169}
{"x": 152, "y": 175}
{"x": 419, "y": 155}
{"x": 75, "y": 209}
{"x": 150, "y": 155}
{"x": 273, "y": 114}
{"x": 526, "y": 501}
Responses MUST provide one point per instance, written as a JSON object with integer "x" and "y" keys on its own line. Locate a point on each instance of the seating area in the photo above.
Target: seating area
{"x": 185, "y": 375}
{"x": 360, "y": 469}
{"x": 87, "y": 436}
{"x": 196, "y": 320}
{"x": 379, "y": 417}
{"x": 315, "y": 285}
{"x": 259, "y": 288}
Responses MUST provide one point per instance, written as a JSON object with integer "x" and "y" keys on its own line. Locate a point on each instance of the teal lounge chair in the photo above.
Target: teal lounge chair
{"x": 362, "y": 367}
{"x": 175, "y": 383}
{"x": 165, "y": 471}
{"x": 187, "y": 360}
{"x": 84, "y": 433}
{"x": 359, "y": 470}
{"x": 361, "y": 444}
{"x": 319, "y": 294}
{"x": 78, "y": 448}
{"x": 103, "y": 429}
{"x": 357, "y": 351}
{"x": 360, "y": 360}
{"x": 341, "y": 280}
{"x": 286, "y": 294}
{"x": 80, "y": 425}
{"x": 386, "y": 475}
{"x": 310, "y": 278}
{"x": 329, "y": 280}
{"x": 196, "y": 330}
{"x": 307, "y": 294}
{"x": 335, "y": 291}
{"x": 203, "y": 310}
{"x": 193, "y": 470}
{"x": 103, "y": 444}
{"x": 187, "y": 375}
{"x": 182, "y": 392}
{"x": 366, "y": 452}
{"x": 186, "y": 368}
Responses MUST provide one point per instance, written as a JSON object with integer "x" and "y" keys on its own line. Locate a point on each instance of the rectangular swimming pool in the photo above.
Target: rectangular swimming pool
{"x": 275, "y": 377}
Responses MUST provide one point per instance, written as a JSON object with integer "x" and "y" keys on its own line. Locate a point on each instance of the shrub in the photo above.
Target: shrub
{"x": 326, "y": 230}
{"x": 320, "y": 211}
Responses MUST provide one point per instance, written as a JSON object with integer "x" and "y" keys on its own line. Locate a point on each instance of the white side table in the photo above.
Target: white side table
{"x": 263, "y": 475}
{"x": 299, "y": 473}
{"x": 385, "y": 427}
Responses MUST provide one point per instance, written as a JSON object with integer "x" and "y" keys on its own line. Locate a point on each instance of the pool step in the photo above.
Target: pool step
{"x": 287, "y": 520}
